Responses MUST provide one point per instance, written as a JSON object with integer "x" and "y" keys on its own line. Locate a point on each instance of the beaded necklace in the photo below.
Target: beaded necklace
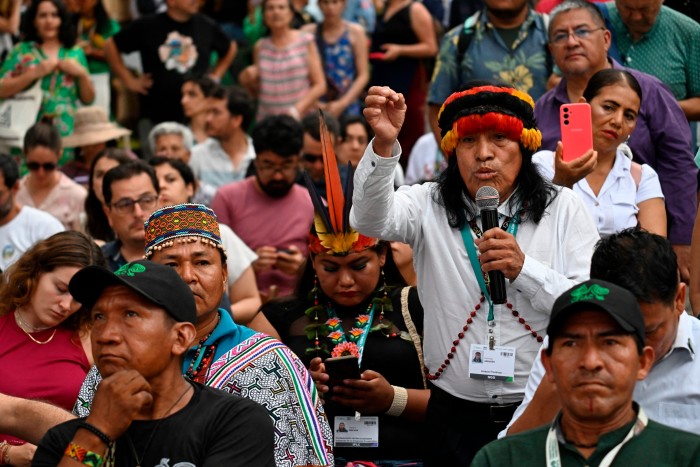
{"x": 197, "y": 369}
{"x": 512, "y": 228}
{"x": 352, "y": 342}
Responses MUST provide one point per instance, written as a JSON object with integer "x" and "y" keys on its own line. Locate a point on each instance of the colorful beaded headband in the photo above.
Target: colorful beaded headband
{"x": 332, "y": 233}
{"x": 486, "y": 108}
{"x": 182, "y": 223}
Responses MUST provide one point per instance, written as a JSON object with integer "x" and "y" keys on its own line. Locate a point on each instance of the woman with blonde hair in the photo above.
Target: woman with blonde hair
{"x": 44, "y": 335}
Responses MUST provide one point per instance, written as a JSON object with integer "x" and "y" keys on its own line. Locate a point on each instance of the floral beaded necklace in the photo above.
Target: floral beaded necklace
{"x": 331, "y": 329}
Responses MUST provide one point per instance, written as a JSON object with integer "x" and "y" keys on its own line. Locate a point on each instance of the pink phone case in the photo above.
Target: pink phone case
{"x": 576, "y": 130}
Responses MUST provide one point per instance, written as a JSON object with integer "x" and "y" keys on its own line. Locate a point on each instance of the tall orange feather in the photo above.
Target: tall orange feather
{"x": 334, "y": 187}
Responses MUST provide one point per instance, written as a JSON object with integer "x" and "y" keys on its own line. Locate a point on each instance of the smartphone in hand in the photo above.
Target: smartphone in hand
{"x": 341, "y": 368}
{"x": 576, "y": 130}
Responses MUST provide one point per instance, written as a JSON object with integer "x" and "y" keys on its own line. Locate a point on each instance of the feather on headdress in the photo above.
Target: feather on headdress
{"x": 332, "y": 233}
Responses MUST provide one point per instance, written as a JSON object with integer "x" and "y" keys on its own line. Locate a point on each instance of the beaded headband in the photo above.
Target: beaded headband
{"x": 486, "y": 108}
{"x": 182, "y": 223}
{"x": 331, "y": 233}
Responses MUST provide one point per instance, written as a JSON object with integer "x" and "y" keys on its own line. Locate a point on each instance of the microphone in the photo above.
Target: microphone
{"x": 487, "y": 199}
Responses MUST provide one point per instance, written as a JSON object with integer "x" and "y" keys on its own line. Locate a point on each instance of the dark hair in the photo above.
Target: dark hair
{"x": 610, "y": 77}
{"x": 205, "y": 83}
{"x": 69, "y": 248}
{"x": 280, "y": 134}
{"x": 124, "y": 172}
{"x": 183, "y": 169}
{"x": 311, "y": 125}
{"x": 569, "y": 5}
{"x": 97, "y": 224}
{"x": 45, "y": 135}
{"x": 347, "y": 120}
{"x": 9, "y": 169}
{"x": 639, "y": 261}
{"x": 238, "y": 102}
{"x": 391, "y": 272}
{"x": 66, "y": 32}
{"x": 532, "y": 192}
{"x": 102, "y": 18}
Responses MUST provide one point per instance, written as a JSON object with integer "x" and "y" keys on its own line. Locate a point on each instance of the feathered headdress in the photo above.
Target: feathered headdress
{"x": 485, "y": 108}
{"x": 331, "y": 233}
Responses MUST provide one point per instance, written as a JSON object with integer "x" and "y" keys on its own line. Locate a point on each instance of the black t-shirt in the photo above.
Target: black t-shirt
{"x": 169, "y": 50}
{"x": 394, "y": 358}
{"x": 214, "y": 429}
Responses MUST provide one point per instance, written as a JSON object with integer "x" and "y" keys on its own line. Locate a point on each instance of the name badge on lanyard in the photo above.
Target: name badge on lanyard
{"x": 352, "y": 432}
{"x": 497, "y": 364}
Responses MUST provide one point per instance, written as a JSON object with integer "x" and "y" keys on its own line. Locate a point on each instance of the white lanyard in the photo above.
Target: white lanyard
{"x": 552, "y": 449}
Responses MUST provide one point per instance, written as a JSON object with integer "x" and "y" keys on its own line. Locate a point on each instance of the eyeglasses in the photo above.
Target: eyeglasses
{"x": 312, "y": 158}
{"x": 47, "y": 166}
{"x": 286, "y": 169}
{"x": 578, "y": 33}
{"x": 126, "y": 205}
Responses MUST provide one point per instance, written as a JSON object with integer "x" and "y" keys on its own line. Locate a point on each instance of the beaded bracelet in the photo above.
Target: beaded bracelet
{"x": 82, "y": 455}
{"x": 4, "y": 450}
{"x": 398, "y": 405}
{"x": 95, "y": 431}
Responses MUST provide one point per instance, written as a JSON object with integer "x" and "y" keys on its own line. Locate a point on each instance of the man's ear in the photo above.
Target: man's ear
{"x": 646, "y": 361}
{"x": 107, "y": 210}
{"x": 547, "y": 363}
{"x": 185, "y": 334}
{"x": 679, "y": 300}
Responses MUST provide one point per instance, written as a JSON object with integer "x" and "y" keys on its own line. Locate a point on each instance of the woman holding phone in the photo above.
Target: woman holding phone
{"x": 352, "y": 300}
{"x": 618, "y": 192}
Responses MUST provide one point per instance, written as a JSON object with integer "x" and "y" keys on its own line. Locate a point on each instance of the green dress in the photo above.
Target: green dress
{"x": 61, "y": 95}
{"x": 88, "y": 33}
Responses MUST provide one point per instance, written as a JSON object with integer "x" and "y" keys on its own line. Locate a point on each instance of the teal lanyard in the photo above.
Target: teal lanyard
{"x": 364, "y": 328}
{"x": 474, "y": 258}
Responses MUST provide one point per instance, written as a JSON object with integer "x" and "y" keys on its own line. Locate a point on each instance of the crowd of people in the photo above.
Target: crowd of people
{"x": 349, "y": 233}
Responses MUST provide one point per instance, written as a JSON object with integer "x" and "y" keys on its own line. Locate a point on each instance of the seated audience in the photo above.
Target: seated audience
{"x": 172, "y": 140}
{"x": 269, "y": 211}
{"x": 228, "y": 356}
{"x": 177, "y": 184}
{"x": 597, "y": 354}
{"x": 163, "y": 417}
{"x": 44, "y": 334}
{"x": 96, "y": 222}
{"x": 45, "y": 187}
{"x": 20, "y": 226}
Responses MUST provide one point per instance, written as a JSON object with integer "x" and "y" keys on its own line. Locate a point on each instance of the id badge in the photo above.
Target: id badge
{"x": 351, "y": 432}
{"x": 496, "y": 364}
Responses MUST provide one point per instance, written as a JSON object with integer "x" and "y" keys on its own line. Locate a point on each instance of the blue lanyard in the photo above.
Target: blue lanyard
{"x": 474, "y": 258}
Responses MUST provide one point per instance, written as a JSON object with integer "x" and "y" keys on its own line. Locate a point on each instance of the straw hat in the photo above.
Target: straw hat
{"x": 91, "y": 126}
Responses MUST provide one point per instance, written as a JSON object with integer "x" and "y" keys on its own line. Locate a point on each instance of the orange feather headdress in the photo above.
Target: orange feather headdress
{"x": 331, "y": 233}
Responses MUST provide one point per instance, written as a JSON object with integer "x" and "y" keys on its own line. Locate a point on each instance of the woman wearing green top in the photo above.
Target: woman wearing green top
{"x": 48, "y": 52}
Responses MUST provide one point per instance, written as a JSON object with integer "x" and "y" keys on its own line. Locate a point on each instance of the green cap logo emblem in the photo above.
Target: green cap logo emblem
{"x": 594, "y": 292}
{"x": 130, "y": 270}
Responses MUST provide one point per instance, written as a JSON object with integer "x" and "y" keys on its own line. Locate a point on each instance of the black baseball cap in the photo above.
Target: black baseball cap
{"x": 157, "y": 283}
{"x": 596, "y": 294}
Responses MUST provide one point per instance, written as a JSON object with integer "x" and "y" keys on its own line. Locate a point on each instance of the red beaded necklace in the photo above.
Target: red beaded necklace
{"x": 465, "y": 328}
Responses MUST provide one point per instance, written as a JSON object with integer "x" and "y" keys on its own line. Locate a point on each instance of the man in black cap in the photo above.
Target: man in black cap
{"x": 596, "y": 355}
{"x": 144, "y": 411}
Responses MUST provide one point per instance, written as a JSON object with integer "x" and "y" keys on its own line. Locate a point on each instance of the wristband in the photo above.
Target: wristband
{"x": 398, "y": 405}
{"x": 82, "y": 455}
{"x": 95, "y": 431}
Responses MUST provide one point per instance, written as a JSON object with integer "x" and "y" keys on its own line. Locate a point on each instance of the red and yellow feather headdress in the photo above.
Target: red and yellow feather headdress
{"x": 332, "y": 233}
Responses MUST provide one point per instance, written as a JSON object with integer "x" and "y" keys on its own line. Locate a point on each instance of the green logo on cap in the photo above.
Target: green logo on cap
{"x": 594, "y": 292}
{"x": 130, "y": 270}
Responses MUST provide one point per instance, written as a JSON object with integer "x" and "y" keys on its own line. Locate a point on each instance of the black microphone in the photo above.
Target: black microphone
{"x": 487, "y": 199}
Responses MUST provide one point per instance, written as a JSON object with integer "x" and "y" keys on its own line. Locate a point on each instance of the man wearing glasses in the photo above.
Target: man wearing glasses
{"x": 579, "y": 43}
{"x": 131, "y": 195}
{"x": 269, "y": 211}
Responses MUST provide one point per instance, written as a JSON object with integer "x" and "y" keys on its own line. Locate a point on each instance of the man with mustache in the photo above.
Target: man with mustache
{"x": 228, "y": 356}
{"x": 269, "y": 211}
{"x": 597, "y": 354}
